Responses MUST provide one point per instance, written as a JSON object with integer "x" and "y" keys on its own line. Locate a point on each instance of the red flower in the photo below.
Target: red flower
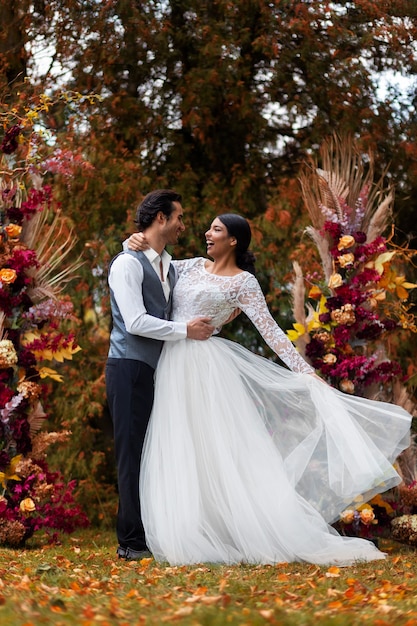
{"x": 10, "y": 142}
{"x": 359, "y": 237}
{"x": 36, "y": 199}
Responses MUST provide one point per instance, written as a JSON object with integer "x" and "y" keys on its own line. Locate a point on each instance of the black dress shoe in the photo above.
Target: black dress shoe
{"x": 136, "y": 555}
{"x": 132, "y": 555}
{"x": 121, "y": 552}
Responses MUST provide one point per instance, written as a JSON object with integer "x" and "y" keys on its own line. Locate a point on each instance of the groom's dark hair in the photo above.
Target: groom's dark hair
{"x": 154, "y": 202}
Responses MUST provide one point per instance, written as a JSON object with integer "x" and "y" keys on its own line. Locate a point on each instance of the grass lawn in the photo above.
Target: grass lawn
{"x": 82, "y": 582}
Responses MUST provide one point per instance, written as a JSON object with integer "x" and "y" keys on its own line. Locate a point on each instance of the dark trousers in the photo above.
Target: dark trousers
{"x": 130, "y": 393}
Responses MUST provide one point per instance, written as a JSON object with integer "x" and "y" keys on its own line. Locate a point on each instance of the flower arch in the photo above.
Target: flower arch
{"x": 36, "y": 333}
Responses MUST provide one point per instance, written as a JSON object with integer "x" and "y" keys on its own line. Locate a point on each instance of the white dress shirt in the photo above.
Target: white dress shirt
{"x": 155, "y": 260}
{"x": 125, "y": 280}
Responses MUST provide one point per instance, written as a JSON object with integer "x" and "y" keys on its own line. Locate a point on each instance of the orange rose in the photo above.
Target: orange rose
{"x": 367, "y": 516}
{"x": 329, "y": 358}
{"x": 346, "y": 259}
{"x": 7, "y": 276}
{"x": 13, "y": 230}
{"x": 347, "y": 516}
{"x": 27, "y": 505}
{"x": 335, "y": 281}
{"x": 347, "y": 386}
{"x": 346, "y": 241}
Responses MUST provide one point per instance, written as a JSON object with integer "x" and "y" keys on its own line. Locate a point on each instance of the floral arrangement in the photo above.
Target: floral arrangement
{"x": 364, "y": 515}
{"x": 362, "y": 294}
{"x": 35, "y": 336}
{"x": 369, "y": 518}
{"x": 346, "y": 310}
{"x": 404, "y": 529}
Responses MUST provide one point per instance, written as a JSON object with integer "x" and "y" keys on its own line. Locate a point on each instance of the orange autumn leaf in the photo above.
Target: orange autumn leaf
{"x": 89, "y": 612}
{"x": 333, "y": 572}
{"x": 208, "y": 600}
{"x": 337, "y": 604}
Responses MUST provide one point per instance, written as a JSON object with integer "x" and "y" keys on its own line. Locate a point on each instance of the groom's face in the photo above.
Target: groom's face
{"x": 174, "y": 225}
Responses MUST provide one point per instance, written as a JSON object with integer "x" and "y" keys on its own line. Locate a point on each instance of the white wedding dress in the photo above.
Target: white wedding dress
{"x": 246, "y": 461}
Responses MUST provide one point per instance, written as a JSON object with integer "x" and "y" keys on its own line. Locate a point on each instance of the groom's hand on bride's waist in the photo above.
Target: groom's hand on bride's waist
{"x": 200, "y": 328}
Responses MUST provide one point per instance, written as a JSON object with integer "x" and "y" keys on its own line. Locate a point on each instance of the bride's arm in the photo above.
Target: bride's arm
{"x": 252, "y": 301}
{"x": 138, "y": 243}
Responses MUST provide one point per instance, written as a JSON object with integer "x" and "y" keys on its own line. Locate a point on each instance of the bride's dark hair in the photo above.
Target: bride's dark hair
{"x": 238, "y": 227}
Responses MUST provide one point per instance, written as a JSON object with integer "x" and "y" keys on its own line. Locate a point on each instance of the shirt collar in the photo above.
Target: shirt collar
{"x": 153, "y": 257}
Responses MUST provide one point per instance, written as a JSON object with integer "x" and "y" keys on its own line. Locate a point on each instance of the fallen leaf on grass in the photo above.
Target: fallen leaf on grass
{"x": 333, "y": 572}
{"x": 202, "y": 599}
{"x": 183, "y": 611}
{"x": 336, "y": 604}
{"x": 267, "y": 614}
{"x": 331, "y": 593}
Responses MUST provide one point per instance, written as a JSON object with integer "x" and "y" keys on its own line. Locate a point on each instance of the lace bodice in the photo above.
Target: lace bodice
{"x": 199, "y": 293}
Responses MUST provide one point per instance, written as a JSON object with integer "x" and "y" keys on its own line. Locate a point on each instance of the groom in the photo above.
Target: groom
{"x": 141, "y": 286}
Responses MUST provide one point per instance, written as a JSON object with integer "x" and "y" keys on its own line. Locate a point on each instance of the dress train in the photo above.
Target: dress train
{"x": 245, "y": 461}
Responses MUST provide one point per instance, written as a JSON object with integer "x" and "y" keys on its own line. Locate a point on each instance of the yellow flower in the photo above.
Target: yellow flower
{"x": 44, "y": 372}
{"x": 315, "y": 292}
{"x": 395, "y": 284}
{"x": 377, "y": 295}
{"x": 379, "y": 263}
{"x": 8, "y": 356}
{"x": 299, "y": 331}
{"x": 10, "y": 471}
{"x": 383, "y": 504}
{"x": 7, "y": 276}
{"x": 13, "y": 230}
{"x": 335, "y": 281}
{"x": 46, "y": 353}
{"x": 27, "y": 505}
{"x": 346, "y": 259}
{"x": 346, "y": 241}
{"x": 65, "y": 353}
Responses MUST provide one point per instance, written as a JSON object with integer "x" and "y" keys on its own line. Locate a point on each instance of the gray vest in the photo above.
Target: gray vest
{"x": 124, "y": 345}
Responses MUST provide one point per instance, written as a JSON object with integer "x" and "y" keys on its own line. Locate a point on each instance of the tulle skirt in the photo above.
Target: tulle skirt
{"x": 245, "y": 461}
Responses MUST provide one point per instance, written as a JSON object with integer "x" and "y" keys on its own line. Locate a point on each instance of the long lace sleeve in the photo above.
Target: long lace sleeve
{"x": 252, "y": 302}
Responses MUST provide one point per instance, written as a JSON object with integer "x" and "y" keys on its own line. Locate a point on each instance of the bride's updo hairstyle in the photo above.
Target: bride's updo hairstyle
{"x": 238, "y": 227}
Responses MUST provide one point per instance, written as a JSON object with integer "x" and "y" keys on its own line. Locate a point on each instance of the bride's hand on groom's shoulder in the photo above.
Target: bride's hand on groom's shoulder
{"x": 137, "y": 242}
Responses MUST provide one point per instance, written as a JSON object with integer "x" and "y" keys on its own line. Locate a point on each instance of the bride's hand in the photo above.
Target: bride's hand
{"x": 233, "y": 315}
{"x": 137, "y": 242}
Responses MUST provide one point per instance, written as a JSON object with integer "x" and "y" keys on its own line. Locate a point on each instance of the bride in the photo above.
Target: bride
{"x": 245, "y": 460}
